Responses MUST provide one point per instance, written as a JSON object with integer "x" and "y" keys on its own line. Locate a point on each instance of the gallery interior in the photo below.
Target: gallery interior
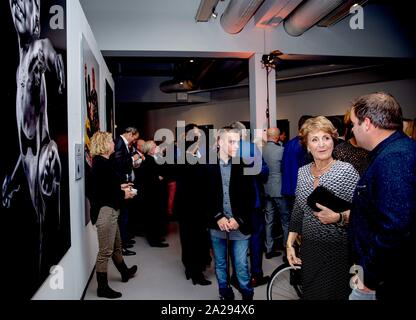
{"x": 152, "y": 63}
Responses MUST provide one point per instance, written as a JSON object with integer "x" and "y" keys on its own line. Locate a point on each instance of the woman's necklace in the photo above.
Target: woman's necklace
{"x": 321, "y": 171}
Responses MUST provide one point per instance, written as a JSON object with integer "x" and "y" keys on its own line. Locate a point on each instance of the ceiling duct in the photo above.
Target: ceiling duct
{"x": 238, "y": 13}
{"x": 273, "y": 12}
{"x": 174, "y": 85}
{"x": 340, "y": 13}
{"x": 309, "y": 14}
{"x": 205, "y": 10}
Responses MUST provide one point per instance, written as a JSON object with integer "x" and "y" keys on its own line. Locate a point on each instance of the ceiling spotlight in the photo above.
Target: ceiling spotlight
{"x": 192, "y": 60}
{"x": 272, "y": 59}
{"x": 205, "y": 10}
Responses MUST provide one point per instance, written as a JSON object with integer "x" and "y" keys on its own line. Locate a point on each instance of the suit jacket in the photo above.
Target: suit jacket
{"x": 153, "y": 190}
{"x": 382, "y": 225}
{"x": 242, "y": 197}
{"x": 122, "y": 158}
{"x": 273, "y": 155}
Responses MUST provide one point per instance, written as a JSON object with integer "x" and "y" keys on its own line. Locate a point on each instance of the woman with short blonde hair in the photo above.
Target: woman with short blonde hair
{"x": 100, "y": 143}
{"x": 148, "y": 146}
{"x": 107, "y": 194}
{"x": 317, "y": 123}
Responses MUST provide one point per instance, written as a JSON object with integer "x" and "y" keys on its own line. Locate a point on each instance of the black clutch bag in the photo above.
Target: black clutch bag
{"x": 326, "y": 198}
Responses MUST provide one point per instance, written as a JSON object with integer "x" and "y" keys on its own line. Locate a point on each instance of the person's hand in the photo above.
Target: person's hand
{"x": 129, "y": 193}
{"x": 127, "y": 185}
{"x": 359, "y": 284}
{"x": 326, "y": 215}
{"x": 136, "y": 163}
{"x": 291, "y": 256}
{"x": 223, "y": 224}
{"x": 233, "y": 224}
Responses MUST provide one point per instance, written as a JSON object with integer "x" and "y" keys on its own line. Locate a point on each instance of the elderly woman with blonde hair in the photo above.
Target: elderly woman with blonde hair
{"x": 107, "y": 194}
{"x": 154, "y": 196}
{"x": 324, "y": 245}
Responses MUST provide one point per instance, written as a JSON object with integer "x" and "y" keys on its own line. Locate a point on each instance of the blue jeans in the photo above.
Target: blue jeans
{"x": 256, "y": 243}
{"x": 238, "y": 251}
{"x": 274, "y": 206}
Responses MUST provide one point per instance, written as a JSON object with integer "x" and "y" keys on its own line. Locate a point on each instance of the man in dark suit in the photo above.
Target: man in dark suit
{"x": 230, "y": 204}
{"x": 123, "y": 157}
{"x": 275, "y": 206}
{"x": 125, "y": 161}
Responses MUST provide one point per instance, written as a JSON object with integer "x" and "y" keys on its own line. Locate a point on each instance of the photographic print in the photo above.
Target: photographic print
{"x": 90, "y": 102}
{"x": 34, "y": 168}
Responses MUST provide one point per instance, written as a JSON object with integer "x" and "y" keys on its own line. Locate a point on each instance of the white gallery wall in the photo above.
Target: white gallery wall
{"x": 335, "y": 101}
{"x": 330, "y": 101}
{"x": 79, "y": 261}
{"x": 218, "y": 114}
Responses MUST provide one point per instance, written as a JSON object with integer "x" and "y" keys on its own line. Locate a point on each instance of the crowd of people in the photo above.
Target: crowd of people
{"x": 368, "y": 170}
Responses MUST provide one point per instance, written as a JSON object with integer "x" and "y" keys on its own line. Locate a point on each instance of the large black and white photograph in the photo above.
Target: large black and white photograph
{"x": 34, "y": 168}
{"x": 90, "y": 102}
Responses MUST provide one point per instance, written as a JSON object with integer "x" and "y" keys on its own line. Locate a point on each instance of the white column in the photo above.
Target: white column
{"x": 258, "y": 94}
{"x": 272, "y": 98}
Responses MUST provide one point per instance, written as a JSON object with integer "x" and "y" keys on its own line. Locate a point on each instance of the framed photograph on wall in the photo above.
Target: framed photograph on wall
{"x": 34, "y": 165}
{"x": 90, "y": 103}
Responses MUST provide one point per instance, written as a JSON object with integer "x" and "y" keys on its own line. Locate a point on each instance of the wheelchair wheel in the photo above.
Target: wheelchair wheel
{"x": 285, "y": 284}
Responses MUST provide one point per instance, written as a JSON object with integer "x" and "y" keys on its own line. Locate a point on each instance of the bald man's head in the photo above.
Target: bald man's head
{"x": 140, "y": 144}
{"x": 273, "y": 134}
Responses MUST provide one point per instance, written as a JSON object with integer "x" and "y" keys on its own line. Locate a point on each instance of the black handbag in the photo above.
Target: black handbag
{"x": 326, "y": 198}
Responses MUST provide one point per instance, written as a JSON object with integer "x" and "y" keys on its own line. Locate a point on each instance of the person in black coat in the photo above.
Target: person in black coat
{"x": 107, "y": 196}
{"x": 125, "y": 160}
{"x": 190, "y": 210}
{"x": 123, "y": 156}
{"x": 154, "y": 196}
{"x": 230, "y": 205}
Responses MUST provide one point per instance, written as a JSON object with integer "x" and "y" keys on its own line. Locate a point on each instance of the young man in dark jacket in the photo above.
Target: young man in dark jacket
{"x": 231, "y": 202}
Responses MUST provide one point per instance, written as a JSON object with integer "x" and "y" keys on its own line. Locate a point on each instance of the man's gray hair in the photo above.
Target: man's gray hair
{"x": 131, "y": 130}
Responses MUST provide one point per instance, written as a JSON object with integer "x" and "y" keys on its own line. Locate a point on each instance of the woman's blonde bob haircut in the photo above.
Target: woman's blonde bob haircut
{"x": 148, "y": 145}
{"x": 99, "y": 144}
{"x": 316, "y": 124}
